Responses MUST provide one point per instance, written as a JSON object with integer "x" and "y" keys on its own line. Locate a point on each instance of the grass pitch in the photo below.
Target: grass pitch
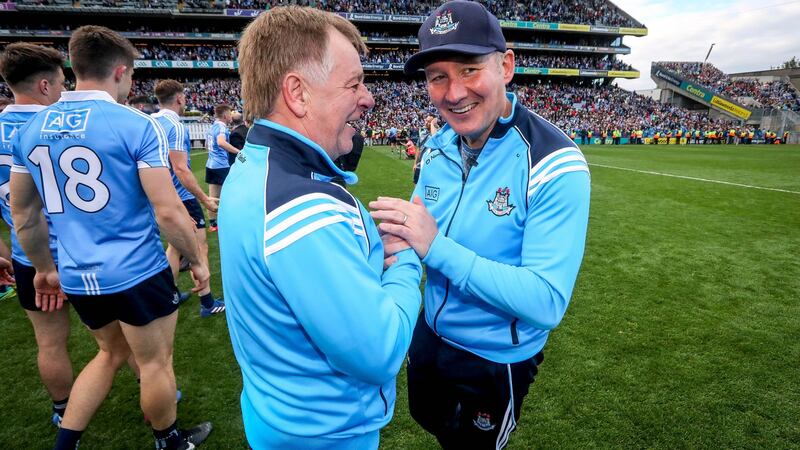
{"x": 683, "y": 330}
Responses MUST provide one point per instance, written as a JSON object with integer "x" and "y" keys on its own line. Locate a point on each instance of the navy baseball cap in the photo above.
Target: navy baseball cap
{"x": 457, "y": 27}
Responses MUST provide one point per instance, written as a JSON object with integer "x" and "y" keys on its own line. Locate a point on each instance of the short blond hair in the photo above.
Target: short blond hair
{"x": 285, "y": 39}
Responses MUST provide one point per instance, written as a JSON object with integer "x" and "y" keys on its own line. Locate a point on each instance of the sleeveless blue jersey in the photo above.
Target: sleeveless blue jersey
{"x": 13, "y": 117}
{"x": 84, "y": 153}
{"x": 217, "y": 156}
{"x": 178, "y": 141}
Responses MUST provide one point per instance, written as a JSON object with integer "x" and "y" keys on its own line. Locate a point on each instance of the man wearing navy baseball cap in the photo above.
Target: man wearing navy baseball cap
{"x": 499, "y": 218}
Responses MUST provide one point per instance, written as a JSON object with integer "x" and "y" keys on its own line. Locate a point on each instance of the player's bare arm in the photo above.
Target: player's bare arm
{"x": 178, "y": 160}
{"x": 174, "y": 221}
{"x": 32, "y": 232}
{"x": 225, "y": 145}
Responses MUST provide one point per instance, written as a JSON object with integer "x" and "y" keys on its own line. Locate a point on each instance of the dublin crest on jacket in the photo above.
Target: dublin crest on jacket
{"x": 500, "y": 206}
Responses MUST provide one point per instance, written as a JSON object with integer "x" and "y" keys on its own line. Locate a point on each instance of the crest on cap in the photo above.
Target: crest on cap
{"x": 444, "y": 23}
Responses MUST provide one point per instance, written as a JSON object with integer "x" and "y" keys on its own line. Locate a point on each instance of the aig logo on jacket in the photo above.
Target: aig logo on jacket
{"x": 432, "y": 193}
{"x": 500, "y": 206}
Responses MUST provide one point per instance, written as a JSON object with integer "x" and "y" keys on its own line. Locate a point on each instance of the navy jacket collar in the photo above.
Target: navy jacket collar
{"x": 304, "y": 151}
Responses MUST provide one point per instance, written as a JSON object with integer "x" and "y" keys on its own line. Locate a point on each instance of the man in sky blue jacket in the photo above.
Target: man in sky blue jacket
{"x": 319, "y": 329}
{"x": 499, "y": 217}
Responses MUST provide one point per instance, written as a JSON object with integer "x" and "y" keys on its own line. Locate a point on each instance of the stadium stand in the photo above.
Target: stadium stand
{"x": 593, "y": 12}
{"x": 580, "y": 62}
{"x": 778, "y": 94}
{"x": 566, "y": 58}
{"x": 578, "y": 108}
{"x": 571, "y": 11}
{"x": 202, "y": 93}
{"x": 378, "y": 55}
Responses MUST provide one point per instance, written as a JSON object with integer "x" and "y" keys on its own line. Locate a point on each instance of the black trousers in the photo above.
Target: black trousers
{"x": 466, "y": 401}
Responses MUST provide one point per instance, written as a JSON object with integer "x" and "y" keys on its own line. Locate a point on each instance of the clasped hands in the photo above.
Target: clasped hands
{"x": 403, "y": 225}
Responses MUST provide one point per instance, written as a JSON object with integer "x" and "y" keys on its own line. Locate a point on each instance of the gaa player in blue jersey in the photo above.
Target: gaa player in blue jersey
{"x": 318, "y": 328}
{"x": 100, "y": 170}
{"x": 217, "y": 165}
{"x": 172, "y": 102}
{"x": 499, "y": 217}
{"x": 35, "y": 77}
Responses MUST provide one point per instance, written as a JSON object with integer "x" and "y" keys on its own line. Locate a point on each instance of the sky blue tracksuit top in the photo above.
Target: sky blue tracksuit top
{"x": 501, "y": 271}
{"x": 318, "y": 328}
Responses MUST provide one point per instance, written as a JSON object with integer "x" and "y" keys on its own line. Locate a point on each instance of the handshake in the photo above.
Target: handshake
{"x": 403, "y": 225}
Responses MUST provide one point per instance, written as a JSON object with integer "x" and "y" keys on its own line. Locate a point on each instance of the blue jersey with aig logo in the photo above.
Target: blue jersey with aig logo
{"x": 217, "y": 156}
{"x": 13, "y": 117}
{"x": 84, "y": 154}
{"x": 178, "y": 141}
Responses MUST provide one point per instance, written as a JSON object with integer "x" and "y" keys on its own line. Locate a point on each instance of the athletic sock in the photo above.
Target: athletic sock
{"x": 168, "y": 439}
{"x": 60, "y": 406}
{"x": 207, "y": 300}
{"x": 67, "y": 439}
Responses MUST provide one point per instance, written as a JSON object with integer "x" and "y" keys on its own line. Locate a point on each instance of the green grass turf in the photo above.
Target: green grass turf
{"x": 683, "y": 330}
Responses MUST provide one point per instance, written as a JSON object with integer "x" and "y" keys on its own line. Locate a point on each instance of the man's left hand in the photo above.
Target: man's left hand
{"x": 6, "y": 271}
{"x": 410, "y": 221}
{"x": 49, "y": 296}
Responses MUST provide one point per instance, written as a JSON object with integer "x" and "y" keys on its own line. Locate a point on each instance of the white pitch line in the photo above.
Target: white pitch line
{"x": 697, "y": 179}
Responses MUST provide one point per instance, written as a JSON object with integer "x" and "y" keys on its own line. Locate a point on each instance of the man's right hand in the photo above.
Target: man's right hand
{"x": 200, "y": 275}
{"x": 211, "y": 203}
{"x": 49, "y": 296}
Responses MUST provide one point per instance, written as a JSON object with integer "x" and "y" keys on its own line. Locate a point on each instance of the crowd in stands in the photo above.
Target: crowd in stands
{"x": 179, "y": 52}
{"x": 773, "y": 94}
{"x": 584, "y": 41}
{"x": 177, "y": 28}
{"x": 188, "y": 52}
{"x": 398, "y": 104}
{"x": 579, "y": 110}
{"x": 590, "y": 12}
{"x": 161, "y": 4}
{"x": 375, "y": 56}
{"x": 569, "y": 106}
{"x": 571, "y": 62}
{"x": 134, "y": 26}
{"x": 201, "y": 94}
{"x": 576, "y": 107}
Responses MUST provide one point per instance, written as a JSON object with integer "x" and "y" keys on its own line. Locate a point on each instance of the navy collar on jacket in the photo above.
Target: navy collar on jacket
{"x": 503, "y": 124}
{"x": 304, "y": 151}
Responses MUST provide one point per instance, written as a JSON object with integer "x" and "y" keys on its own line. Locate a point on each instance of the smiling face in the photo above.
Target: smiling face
{"x": 469, "y": 92}
{"x": 338, "y": 100}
